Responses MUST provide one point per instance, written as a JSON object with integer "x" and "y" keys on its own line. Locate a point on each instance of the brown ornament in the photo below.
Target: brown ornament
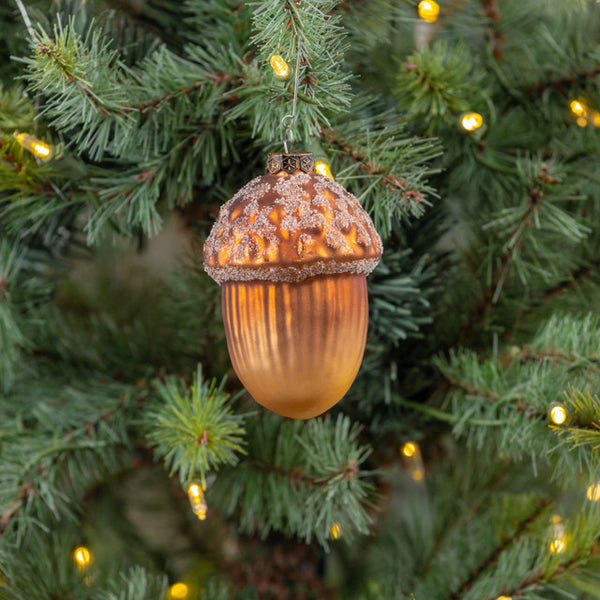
{"x": 292, "y": 250}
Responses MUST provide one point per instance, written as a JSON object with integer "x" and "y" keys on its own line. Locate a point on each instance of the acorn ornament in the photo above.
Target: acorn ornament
{"x": 292, "y": 250}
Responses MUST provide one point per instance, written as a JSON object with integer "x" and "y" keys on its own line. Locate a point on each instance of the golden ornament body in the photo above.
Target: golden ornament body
{"x": 292, "y": 251}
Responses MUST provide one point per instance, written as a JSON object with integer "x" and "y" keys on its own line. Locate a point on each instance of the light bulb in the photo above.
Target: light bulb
{"x": 197, "y": 500}
{"x": 593, "y": 492}
{"x": 428, "y": 10}
{"x": 82, "y": 557}
{"x": 413, "y": 460}
{"x": 558, "y": 538}
{"x": 335, "y": 531}
{"x": 409, "y": 449}
{"x": 558, "y": 414}
{"x": 504, "y": 598}
{"x": 178, "y": 591}
{"x": 578, "y": 108}
{"x": 323, "y": 168}
{"x": 471, "y": 121}
{"x": 279, "y": 66}
{"x": 584, "y": 114}
{"x": 33, "y": 145}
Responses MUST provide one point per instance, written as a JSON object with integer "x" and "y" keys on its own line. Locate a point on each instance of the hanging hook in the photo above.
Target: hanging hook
{"x": 287, "y": 127}
{"x": 287, "y": 131}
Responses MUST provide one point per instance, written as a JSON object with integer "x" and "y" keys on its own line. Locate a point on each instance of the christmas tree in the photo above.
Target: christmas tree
{"x": 462, "y": 464}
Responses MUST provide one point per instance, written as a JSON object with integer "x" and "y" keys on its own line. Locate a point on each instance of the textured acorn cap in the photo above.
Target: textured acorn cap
{"x": 288, "y": 227}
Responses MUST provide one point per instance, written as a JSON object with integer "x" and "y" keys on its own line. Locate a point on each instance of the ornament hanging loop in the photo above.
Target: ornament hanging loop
{"x": 287, "y": 132}
{"x": 288, "y": 121}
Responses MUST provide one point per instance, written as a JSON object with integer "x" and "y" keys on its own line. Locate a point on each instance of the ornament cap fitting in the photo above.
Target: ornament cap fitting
{"x": 292, "y": 162}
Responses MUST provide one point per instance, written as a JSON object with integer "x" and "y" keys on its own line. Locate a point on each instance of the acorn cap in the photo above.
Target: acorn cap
{"x": 291, "y": 224}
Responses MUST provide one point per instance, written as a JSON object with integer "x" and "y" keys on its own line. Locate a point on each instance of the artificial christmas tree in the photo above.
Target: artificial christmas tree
{"x": 463, "y": 461}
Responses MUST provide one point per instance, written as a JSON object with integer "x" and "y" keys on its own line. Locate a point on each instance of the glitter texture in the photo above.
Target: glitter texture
{"x": 287, "y": 228}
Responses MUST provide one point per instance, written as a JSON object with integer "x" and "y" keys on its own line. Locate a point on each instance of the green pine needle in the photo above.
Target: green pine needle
{"x": 196, "y": 430}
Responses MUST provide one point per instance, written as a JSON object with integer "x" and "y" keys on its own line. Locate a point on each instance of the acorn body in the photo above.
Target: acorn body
{"x": 297, "y": 347}
{"x": 292, "y": 250}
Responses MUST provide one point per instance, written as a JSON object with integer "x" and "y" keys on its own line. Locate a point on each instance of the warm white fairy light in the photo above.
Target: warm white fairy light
{"x": 33, "y": 145}
{"x": 323, "y": 168}
{"x": 471, "y": 121}
{"x": 179, "y": 591}
{"x": 82, "y": 557}
{"x": 413, "y": 460}
{"x": 428, "y": 10}
{"x": 558, "y": 538}
{"x": 558, "y": 414}
{"x": 280, "y": 66}
{"x": 593, "y": 492}
{"x": 335, "y": 531}
{"x": 584, "y": 114}
{"x": 197, "y": 500}
{"x": 578, "y": 108}
{"x": 410, "y": 449}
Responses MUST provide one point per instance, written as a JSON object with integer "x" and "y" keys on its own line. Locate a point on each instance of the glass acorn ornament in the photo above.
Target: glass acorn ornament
{"x": 292, "y": 250}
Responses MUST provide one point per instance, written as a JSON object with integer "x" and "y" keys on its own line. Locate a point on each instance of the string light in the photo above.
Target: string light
{"x": 179, "y": 591}
{"x": 558, "y": 539}
{"x": 33, "y": 145}
{"x": 585, "y": 115}
{"x": 409, "y": 449}
{"x": 593, "y": 492}
{"x": 471, "y": 121}
{"x": 578, "y": 108}
{"x": 557, "y": 546}
{"x": 335, "y": 531}
{"x": 558, "y": 414}
{"x": 197, "y": 500}
{"x": 428, "y": 10}
{"x": 82, "y": 557}
{"x": 279, "y": 66}
{"x": 323, "y": 168}
{"x": 504, "y": 598}
{"x": 413, "y": 459}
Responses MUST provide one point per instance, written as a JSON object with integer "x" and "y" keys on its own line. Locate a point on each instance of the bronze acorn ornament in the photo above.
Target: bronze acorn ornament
{"x": 292, "y": 250}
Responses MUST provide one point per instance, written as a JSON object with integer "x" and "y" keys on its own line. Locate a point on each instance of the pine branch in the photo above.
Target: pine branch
{"x": 516, "y": 392}
{"x": 51, "y": 457}
{"x": 491, "y": 559}
{"x": 196, "y": 431}
{"x": 313, "y": 469}
{"x": 305, "y": 29}
{"x": 369, "y": 153}
{"x": 495, "y": 34}
{"x": 567, "y": 81}
{"x": 569, "y": 563}
{"x": 540, "y": 211}
{"x": 371, "y": 169}
{"x": 16, "y": 110}
{"x": 23, "y": 293}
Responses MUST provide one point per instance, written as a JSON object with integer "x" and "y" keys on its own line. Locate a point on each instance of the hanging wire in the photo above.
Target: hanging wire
{"x": 26, "y": 19}
{"x": 288, "y": 121}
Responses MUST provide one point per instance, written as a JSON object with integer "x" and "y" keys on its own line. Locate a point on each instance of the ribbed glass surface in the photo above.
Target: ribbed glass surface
{"x": 297, "y": 347}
